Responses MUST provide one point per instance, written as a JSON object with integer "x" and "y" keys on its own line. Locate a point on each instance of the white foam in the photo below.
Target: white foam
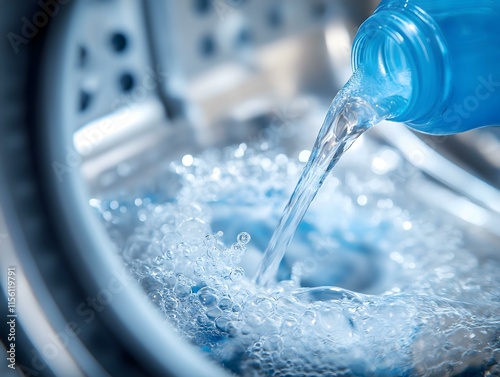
{"x": 426, "y": 304}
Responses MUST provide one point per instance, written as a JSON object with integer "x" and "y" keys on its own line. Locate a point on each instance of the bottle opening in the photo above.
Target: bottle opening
{"x": 385, "y": 69}
{"x": 404, "y": 48}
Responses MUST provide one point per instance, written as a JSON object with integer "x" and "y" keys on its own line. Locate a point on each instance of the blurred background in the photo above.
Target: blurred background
{"x": 96, "y": 95}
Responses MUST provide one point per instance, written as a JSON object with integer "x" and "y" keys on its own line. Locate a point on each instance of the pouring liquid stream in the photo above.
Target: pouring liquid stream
{"x": 349, "y": 116}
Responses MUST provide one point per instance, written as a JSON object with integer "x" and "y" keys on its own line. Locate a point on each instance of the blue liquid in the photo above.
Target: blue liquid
{"x": 431, "y": 64}
{"x": 348, "y": 117}
{"x": 451, "y": 50}
{"x": 334, "y": 140}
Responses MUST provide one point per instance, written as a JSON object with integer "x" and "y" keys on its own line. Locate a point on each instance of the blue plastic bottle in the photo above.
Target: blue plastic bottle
{"x": 448, "y": 51}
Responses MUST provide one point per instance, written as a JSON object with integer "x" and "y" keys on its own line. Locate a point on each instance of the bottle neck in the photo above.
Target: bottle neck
{"x": 404, "y": 47}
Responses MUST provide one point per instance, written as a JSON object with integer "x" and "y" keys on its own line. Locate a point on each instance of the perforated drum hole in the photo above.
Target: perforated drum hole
{"x": 85, "y": 100}
{"x": 202, "y": 6}
{"x": 318, "y": 9}
{"x": 275, "y": 17}
{"x": 127, "y": 82}
{"x": 119, "y": 42}
{"x": 207, "y": 45}
{"x": 82, "y": 56}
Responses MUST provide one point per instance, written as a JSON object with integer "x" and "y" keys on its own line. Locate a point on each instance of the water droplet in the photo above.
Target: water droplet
{"x": 243, "y": 238}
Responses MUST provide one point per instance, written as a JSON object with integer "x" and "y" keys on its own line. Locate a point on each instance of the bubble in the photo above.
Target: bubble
{"x": 210, "y": 240}
{"x": 225, "y": 304}
{"x": 213, "y": 312}
{"x": 150, "y": 284}
{"x": 254, "y": 319}
{"x": 236, "y": 308}
{"x": 225, "y": 272}
{"x": 213, "y": 252}
{"x": 156, "y": 272}
{"x": 182, "y": 291}
{"x": 143, "y": 270}
{"x": 155, "y": 297}
{"x": 207, "y": 296}
{"x": 274, "y": 342}
{"x": 193, "y": 230}
{"x": 159, "y": 259}
{"x": 184, "y": 249}
{"x": 223, "y": 323}
{"x": 289, "y": 323}
{"x": 243, "y": 238}
{"x": 238, "y": 248}
{"x": 237, "y": 273}
{"x": 200, "y": 270}
{"x": 170, "y": 304}
{"x": 262, "y": 303}
{"x": 168, "y": 254}
{"x": 309, "y": 317}
{"x": 169, "y": 279}
{"x": 170, "y": 241}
